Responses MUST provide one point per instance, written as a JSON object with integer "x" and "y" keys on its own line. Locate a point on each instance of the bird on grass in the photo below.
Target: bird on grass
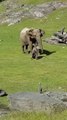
{"x": 3, "y": 93}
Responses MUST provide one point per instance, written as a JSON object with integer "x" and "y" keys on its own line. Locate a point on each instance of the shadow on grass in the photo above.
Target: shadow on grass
{"x": 39, "y": 57}
{"x": 48, "y": 52}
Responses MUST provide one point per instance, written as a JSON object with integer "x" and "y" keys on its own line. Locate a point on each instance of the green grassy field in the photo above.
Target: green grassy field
{"x": 18, "y": 72}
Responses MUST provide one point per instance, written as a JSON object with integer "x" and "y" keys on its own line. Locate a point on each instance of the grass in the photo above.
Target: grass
{"x": 2, "y": 9}
{"x": 35, "y": 116}
{"x": 56, "y": 21}
{"x": 37, "y": 1}
{"x": 18, "y": 72}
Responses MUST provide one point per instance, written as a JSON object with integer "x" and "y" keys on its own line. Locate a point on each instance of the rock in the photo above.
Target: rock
{"x": 58, "y": 37}
{"x": 47, "y": 102}
{"x": 15, "y": 11}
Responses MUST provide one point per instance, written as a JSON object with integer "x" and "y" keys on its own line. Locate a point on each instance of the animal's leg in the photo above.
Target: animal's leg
{"x": 30, "y": 47}
{"x": 36, "y": 56}
{"x": 23, "y": 49}
{"x": 26, "y": 48}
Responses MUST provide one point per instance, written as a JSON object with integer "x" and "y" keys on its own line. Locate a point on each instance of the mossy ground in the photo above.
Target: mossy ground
{"x": 18, "y": 72}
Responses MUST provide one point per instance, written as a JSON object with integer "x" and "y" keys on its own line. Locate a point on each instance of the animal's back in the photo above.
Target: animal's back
{"x": 23, "y": 33}
{"x": 23, "y": 36}
{"x": 24, "y": 30}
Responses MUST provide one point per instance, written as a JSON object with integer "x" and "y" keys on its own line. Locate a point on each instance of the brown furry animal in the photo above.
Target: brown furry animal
{"x": 35, "y": 52}
{"x": 30, "y": 36}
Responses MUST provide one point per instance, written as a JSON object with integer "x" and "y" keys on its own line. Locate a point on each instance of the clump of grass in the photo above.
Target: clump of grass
{"x": 35, "y": 116}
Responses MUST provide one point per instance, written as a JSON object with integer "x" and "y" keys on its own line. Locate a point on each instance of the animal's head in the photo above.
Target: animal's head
{"x": 38, "y": 32}
{"x": 34, "y": 33}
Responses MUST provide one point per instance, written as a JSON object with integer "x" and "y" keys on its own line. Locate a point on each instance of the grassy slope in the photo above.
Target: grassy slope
{"x": 37, "y": 1}
{"x": 19, "y": 73}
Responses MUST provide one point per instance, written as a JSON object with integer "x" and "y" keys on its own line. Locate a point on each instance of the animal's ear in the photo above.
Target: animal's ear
{"x": 41, "y": 32}
{"x": 30, "y": 32}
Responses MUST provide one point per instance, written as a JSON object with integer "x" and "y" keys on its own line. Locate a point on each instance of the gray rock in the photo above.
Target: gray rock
{"x": 47, "y": 102}
{"x": 15, "y": 12}
{"x": 58, "y": 37}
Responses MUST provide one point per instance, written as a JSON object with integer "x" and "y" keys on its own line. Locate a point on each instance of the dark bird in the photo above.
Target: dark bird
{"x": 2, "y": 93}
